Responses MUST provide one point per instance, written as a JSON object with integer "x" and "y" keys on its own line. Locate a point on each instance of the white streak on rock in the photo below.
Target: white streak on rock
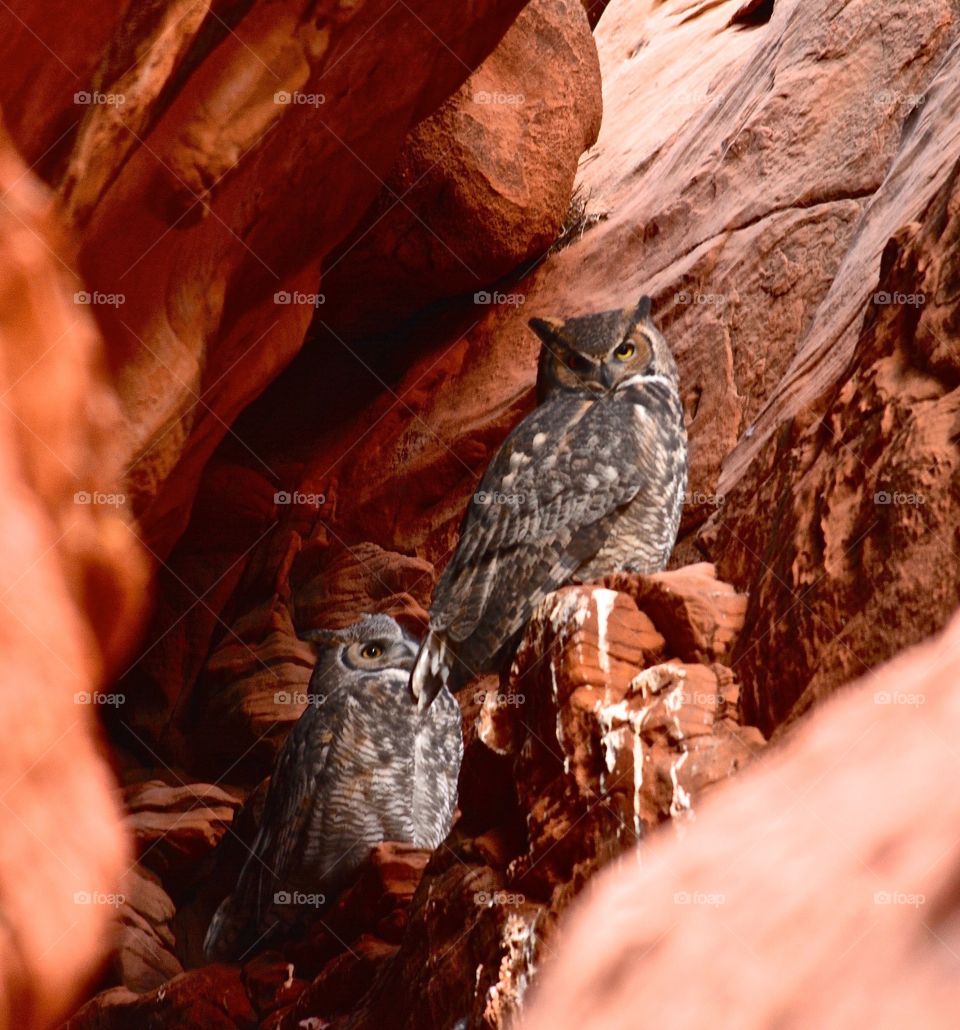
{"x": 606, "y": 600}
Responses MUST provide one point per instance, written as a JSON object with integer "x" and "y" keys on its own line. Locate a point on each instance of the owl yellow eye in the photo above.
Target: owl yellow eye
{"x": 371, "y": 651}
{"x": 625, "y": 351}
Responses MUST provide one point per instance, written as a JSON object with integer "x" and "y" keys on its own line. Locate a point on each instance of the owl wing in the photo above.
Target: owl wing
{"x": 547, "y": 502}
{"x": 297, "y": 777}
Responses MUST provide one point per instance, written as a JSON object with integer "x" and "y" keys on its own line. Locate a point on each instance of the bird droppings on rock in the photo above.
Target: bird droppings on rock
{"x": 604, "y": 729}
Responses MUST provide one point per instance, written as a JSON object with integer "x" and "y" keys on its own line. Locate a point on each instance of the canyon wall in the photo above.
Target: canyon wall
{"x": 309, "y": 242}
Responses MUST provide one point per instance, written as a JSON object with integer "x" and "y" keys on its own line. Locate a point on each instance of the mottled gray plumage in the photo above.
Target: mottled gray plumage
{"x": 591, "y": 481}
{"x": 359, "y": 767}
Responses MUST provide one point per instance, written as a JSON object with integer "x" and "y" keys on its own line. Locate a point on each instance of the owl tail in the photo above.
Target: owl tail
{"x": 429, "y": 670}
{"x": 438, "y": 665}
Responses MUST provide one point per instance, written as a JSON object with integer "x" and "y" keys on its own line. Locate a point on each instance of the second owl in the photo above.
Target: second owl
{"x": 359, "y": 767}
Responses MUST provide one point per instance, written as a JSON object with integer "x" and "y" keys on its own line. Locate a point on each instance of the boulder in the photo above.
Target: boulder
{"x": 482, "y": 187}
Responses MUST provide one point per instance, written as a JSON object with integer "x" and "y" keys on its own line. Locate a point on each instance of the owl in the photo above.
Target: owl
{"x": 590, "y": 482}
{"x": 359, "y": 767}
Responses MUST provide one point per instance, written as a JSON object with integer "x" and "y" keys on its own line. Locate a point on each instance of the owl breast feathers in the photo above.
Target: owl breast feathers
{"x": 359, "y": 767}
{"x": 591, "y": 481}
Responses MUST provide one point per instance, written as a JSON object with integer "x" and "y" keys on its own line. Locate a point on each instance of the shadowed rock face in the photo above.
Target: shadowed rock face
{"x": 210, "y": 160}
{"x": 783, "y": 179}
{"x": 498, "y": 157}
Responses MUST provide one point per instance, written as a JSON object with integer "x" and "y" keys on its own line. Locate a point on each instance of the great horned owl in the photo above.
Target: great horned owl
{"x": 359, "y": 767}
{"x": 590, "y": 482}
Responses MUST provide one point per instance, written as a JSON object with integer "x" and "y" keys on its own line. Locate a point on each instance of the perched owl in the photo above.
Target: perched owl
{"x": 590, "y": 482}
{"x": 359, "y": 767}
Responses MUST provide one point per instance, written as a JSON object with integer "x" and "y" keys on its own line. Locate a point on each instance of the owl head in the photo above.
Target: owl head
{"x": 594, "y": 354}
{"x": 375, "y": 643}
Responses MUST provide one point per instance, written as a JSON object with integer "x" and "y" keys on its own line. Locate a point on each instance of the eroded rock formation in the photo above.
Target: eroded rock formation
{"x": 782, "y": 177}
{"x": 856, "y": 873}
{"x": 864, "y": 480}
{"x": 605, "y": 729}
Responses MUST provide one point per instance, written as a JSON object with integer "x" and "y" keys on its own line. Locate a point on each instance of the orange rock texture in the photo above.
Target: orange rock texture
{"x": 209, "y": 160}
{"x": 268, "y": 271}
{"x": 604, "y": 731}
{"x": 846, "y": 897}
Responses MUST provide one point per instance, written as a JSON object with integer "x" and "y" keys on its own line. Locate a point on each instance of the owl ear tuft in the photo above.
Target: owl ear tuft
{"x": 545, "y": 328}
{"x": 642, "y": 312}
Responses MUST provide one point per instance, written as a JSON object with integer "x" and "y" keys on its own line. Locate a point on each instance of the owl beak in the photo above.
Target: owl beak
{"x": 608, "y": 376}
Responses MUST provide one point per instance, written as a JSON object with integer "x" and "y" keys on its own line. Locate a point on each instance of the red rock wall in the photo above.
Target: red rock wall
{"x": 186, "y": 191}
{"x": 782, "y": 178}
{"x": 840, "y": 909}
{"x": 863, "y": 476}
{"x": 224, "y": 155}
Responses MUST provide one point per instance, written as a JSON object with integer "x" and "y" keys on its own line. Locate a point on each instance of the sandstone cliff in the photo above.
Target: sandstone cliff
{"x": 269, "y": 268}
